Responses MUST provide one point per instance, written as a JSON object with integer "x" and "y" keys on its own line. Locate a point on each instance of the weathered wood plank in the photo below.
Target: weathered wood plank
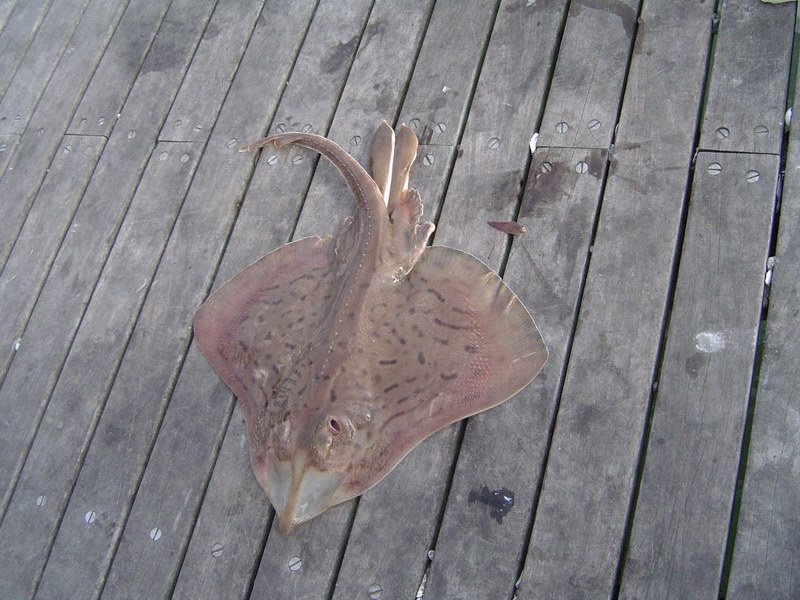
{"x": 63, "y": 93}
{"x": 747, "y": 95}
{"x": 480, "y": 546}
{"x": 389, "y": 45}
{"x": 585, "y": 92}
{"x": 681, "y": 517}
{"x": 16, "y": 37}
{"x": 41, "y": 59}
{"x": 109, "y": 478}
{"x": 8, "y": 144}
{"x": 582, "y": 508}
{"x": 6, "y": 6}
{"x": 80, "y": 260}
{"x": 235, "y": 511}
{"x": 767, "y": 541}
{"x": 47, "y": 224}
{"x": 122, "y": 63}
{"x": 76, "y": 401}
{"x": 382, "y": 549}
{"x": 198, "y": 103}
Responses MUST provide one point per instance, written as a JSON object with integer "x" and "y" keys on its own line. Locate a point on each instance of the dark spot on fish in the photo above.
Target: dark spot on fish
{"x": 260, "y": 318}
{"x": 388, "y": 362}
{"x": 459, "y": 310}
{"x": 402, "y": 341}
{"x": 301, "y": 278}
{"x": 439, "y": 297}
{"x": 448, "y": 377}
{"x": 442, "y": 341}
{"x": 441, "y": 323}
{"x": 403, "y": 399}
{"x": 388, "y": 389}
{"x": 333, "y": 395}
{"x": 421, "y": 358}
{"x": 303, "y": 297}
{"x": 411, "y": 380}
{"x": 499, "y": 501}
{"x": 470, "y": 349}
{"x": 412, "y": 310}
{"x": 275, "y": 370}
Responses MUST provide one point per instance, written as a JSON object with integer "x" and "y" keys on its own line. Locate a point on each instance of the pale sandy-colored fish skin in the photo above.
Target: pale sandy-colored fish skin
{"x": 345, "y": 353}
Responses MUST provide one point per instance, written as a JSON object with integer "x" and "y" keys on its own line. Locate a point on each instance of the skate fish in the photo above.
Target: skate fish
{"x": 346, "y": 352}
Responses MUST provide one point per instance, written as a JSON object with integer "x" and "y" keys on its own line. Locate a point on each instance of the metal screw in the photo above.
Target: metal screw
{"x": 216, "y": 550}
{"x": 561, "y": 127}
{"x": 440, "y": 128}
{"x": 230, "y": 143}
{"x": 546, "y": 167}
{"x": 184, "y": 157}
{"x": 3, "y": 147}
{"x": 761, "y": 130}
{"x": 177, "y": 123}
{"x": 355, "y": 140}
{"x": 272, "y": 159}
{"x": 41, "y": 501}
{"x": 581, "y": 167}
{"x": 296, "y": 160}
{"x": 306, "y": 128}
{"x": 280, "y": 128}
{"x": 723, "y": 133}
{"x": 714, "y": 169}
{"x": 593, "y": 125}
{"x": 374, "y": 591}
{"x": 414, "y": 123}
{"x": 101, "y": 120}
{"x": 295, "y": 563}
{"x": 428, "y": 160}
{"x": 40, "y": 131}
{"x": 494, "y": 143}
{"x": 751, "y": 176}
{"x": 163, "y": 156}
{"x": 131, "y": 134}
{"x": 84, "y": 121}
{"x": 67, "y": 149}
{"x": 90, "y": 517}
{"x": 197, "y": 129}
{"x": 155, "y": 534}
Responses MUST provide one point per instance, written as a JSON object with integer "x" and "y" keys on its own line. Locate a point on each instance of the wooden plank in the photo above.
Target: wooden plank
{"x": 6, "y": 6}
{"x": 63, "y": 93}
{"x": 47, "y": 224}
{"x": 41, "y": 59}
{"x": 53, "y": 324}
{"x": 767, "y": 540}
{"x": 16, "y": 36}
{"x": 235, "y": 512}
{"x": 77, "y": 399}
{"x": 209, "y": 78}
{"x": 747, "y": 95}
{"x": 584, "y": 97}
{"x": 382, "y": 549}
{"x": 8, "y": 144}
{"x": 122, "y": 63}
{"x": 582, "y": 508}
{"x": 162, "y": 333}
{"x": 320, "y": 543}
{"x": 677, "y": 546}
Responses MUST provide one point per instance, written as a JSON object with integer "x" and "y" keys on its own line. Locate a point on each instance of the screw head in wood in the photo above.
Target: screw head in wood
{"x": 296, "y": 160}
{"x": 131, "y": 134}
{"x": 231, "y": 143}
{"x": 41, "y": 501}
{"x": 164, "y": 155}
{"x": 494, "y": 143}
{"x": 272, "y": 160}
{"x": 101, "y": 120}
{"x": 562, "y": 127}
{"x": 440, "y": 128}
{"x": 280, "y": 128}
{"x": 374, "y": 591}
{"x": 67, "y": 149}
{"x": 723, "y": 133}
{"x": 546, "y": 167}
{"x": 197, "y": 128}
{"x": 414, "y": 123}
{"x": 90, "y": 517}
{"x": 428, "y": 160}
{"x": 593, "y": 125}
{"x": 216, "y": 550}
{"x": 184, "y": 157}
{"x": 751, "y": 176}
{"x": 177, "y": 123}
{"x": 306, "y": 128}
{"x": 760, "y": 130}
{"x": 155, "y": 534}
{"x": 355, "y": 140}
{"x": 295, "y": 563}
{"x": 714, "y": 168}
{"x": 581, "y": 167}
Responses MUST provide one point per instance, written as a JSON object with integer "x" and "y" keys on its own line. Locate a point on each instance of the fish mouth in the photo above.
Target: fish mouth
{"x": 299, "y": 491}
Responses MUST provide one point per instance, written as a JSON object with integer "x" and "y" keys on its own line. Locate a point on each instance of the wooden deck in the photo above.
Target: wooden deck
{"x": 655, "y": 457}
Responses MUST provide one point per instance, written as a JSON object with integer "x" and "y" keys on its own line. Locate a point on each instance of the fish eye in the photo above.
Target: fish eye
{"x": 334, "y": 427}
